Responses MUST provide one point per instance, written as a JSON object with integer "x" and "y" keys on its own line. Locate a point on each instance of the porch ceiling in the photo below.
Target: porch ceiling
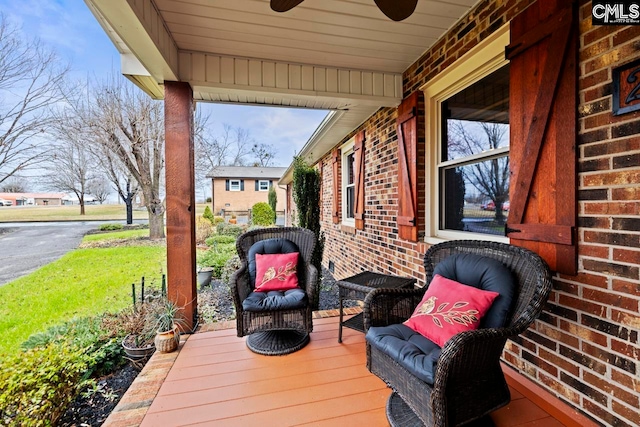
{"x": 324, "y": 54}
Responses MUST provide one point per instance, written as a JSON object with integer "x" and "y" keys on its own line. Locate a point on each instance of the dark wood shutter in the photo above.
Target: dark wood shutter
{"x": 226, "y": 185}
{"x": 256, "y": 182}
{"x": 242, "y": 185}
{"x": 335, "y": 207}
{"x": 407, "y": 124}
{"x": 543, "y": 108}
{"x": 358, "y": 166}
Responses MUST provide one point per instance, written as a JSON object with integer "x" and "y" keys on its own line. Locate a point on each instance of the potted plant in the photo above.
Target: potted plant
{"x": 138, "y": 342}
{"x": 205, "y": 269}
{"x": 165, "y": 319}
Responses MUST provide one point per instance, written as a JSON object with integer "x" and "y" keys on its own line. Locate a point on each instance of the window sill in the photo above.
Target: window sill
{"x": 348, "y": 229}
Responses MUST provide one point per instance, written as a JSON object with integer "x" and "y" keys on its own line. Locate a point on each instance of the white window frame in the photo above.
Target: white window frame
{"x": 235, "y": 185}
{"x": 346, "y": 150}
{"x": 487, "y": 57}
{"x": 265, "y": 182}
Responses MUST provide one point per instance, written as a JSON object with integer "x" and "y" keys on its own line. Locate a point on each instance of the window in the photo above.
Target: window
{"x": 468, "y": 138}
{"x": 263, "y": 185}
{"x": 235, "y": 185}
{"x": 348, "y": 183}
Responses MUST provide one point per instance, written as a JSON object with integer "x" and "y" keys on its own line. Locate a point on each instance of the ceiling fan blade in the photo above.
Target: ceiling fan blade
{"x": 284, "y": 5}
{"x": 397, "y": 10}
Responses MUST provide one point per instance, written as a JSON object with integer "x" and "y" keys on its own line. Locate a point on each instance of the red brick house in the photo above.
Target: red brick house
{"x": 551, "y": 101}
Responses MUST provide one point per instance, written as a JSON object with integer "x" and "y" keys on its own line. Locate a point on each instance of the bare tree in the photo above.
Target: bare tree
{"x": 263, "y": 154}
{"x": 99, "y": 188}
{"x": 489, "y": 177}
{"x": 130, "y": 125}
{"x": 122, "y": 180}
{"x": 230, "y": 148}
{"x": 70, "y": 169}
{"x": 30, "y": 84}
{"x": 15, "y": 184}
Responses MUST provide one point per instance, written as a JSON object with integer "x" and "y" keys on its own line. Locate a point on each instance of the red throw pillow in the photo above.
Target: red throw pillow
{"x": 449, "y": 307}
{"x": 276, "y": 272}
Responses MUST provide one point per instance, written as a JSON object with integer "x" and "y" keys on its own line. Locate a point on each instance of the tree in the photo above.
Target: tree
{"x": 70, "y": 169}
{"x": 99, "y": 188}
{"x": 490, "y": 177}
{"x": 273, "y": 202}
{"x": 263, "y": 154}
{"x": 130, "y": 125}
{"x": 306, "y": 195}
{"x": 15, "y": 184}
{"x": 120, "y": 178}
{"x": 30, "y": 84}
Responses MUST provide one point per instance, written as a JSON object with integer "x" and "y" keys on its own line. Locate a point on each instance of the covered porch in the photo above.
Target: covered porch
{"x": 215, "y": 380}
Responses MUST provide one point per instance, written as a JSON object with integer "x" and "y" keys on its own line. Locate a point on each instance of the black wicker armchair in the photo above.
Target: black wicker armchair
{"x": 468, "y": 382}
{"x": 277, "y": 328}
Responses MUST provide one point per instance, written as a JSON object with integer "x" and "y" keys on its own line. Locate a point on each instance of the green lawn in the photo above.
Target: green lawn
{"x": 83, "y": 282}
{"x": 116, "y": 235}
{"x": 72, "y": 213}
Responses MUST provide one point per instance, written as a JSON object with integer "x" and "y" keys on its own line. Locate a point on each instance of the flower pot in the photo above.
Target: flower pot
{"x": 204, "y": 276}
{"x": 167, "y": 341}
{"x": 130, "y": 349}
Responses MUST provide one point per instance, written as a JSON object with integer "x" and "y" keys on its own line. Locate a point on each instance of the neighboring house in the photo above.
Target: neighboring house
{"x": 38, "y": 199}
{"x": 236, "y": 189}
{"x": 401, "y": 169}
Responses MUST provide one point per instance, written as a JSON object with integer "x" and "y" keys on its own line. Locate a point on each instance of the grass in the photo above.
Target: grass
{"x": 81, "y": 283}
{"x": 116, "y": 235}
{"x": 72, "y": 213}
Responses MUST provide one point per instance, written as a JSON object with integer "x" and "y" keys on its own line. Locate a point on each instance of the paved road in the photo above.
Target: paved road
{"x": 31, "y": 246}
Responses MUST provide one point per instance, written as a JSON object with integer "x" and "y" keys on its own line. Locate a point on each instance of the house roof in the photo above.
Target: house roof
{"x": 341, "y": 55}
{"x": 246, "y": 172}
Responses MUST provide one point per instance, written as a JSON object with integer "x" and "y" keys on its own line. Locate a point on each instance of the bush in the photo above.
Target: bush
{"x": 208, "y": 200}
{"x": 262, "y": 214}
{"x": 218, "y": 239}
{"x": 37, "y": 386}
{"x": 273, "y": 201}
{"x": 204, "y": 229}
{"x": 111, "y": 227}
{"x": 230, "y": 267}
{"x": 217, "y": 220}
{"x": 209, "y": 215}
{"x": 229, "y": 229}
{"x": 216, "y": 257}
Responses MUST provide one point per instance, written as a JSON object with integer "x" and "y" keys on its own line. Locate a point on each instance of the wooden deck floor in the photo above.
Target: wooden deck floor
{"x": 215, "y": 380}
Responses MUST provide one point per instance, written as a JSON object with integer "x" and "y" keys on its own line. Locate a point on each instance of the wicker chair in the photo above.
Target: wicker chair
{"x": 468, "y": 380}
{"x": 275, "y": 332}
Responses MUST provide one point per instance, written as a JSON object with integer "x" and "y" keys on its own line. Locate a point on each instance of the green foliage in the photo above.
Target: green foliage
{"x": 117, "y": 235}
{"x": 230, "y": 267}
{"x": 273, "y": 201}
{"x": 229, "y": 229}
{"x": 209, "y": 215}
{"x": 208, "y": 200}
{"x": 262, "y": 214}
{"x": 218, "y": 239}
{"x": 37, "y": 386}
{"x": 102, "y": 347}
{"x": 216, "y": 257}
{"x": 306, "y": 195}
{"x": 217, "y": 220}
{"x": 110, "y": 227}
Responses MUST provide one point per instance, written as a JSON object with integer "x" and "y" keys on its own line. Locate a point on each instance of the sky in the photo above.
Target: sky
{"x": 69, "y": 28}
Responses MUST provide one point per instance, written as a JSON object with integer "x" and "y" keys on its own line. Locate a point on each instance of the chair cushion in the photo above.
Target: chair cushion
{"x": 483, "y": 273}
{"x": 408, "y": 348}
{"x": 448, "y": 308}
{"x": 276, "y": 245}
{"x": 276, "y": 272}
{"x": 275, "y": 300}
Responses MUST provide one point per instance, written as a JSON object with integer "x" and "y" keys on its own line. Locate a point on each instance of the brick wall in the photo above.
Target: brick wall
{"x": 584, "y": 348}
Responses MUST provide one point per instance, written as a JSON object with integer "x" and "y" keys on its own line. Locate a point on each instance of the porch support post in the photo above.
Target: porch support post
{"x": 180, "y": 199}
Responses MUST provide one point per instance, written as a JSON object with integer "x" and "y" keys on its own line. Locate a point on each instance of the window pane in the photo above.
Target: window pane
{"x": 350, "y": 201}
{"x": 471, "y": 193}
{"x": 477, "y": 118}
{"x": 350, "y": 170}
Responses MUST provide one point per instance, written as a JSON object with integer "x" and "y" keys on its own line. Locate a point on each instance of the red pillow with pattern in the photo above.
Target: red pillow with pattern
{"x": 449, "y": 307}
{"x": 276, "y": 272}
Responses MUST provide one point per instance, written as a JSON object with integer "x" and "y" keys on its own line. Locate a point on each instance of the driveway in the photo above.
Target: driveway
{"x": 30, "y": 246}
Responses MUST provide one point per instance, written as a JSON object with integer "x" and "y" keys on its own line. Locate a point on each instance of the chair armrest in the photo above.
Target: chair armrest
{"x": 240, "y": 286}
{"x": 384, "y": 307}
{"x": 311, "y": 287}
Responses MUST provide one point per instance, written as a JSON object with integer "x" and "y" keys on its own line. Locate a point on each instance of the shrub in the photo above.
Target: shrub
{"x": 37, "y": 386}
{"x": 262, "y": 214}
{"x": 216, "y": 257}
{"x": 204, "y": 229}
{"x": 218, "y": 239}
{"x": 230, "y": 267}
{"x": 273, "y": 202}
{"x": 229, "y": 229}
{"x": 208, "y": 200}
{"x": 111, "y": 227}
{"x": 217, "y": 220}
{"x": 209, "y": 215}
